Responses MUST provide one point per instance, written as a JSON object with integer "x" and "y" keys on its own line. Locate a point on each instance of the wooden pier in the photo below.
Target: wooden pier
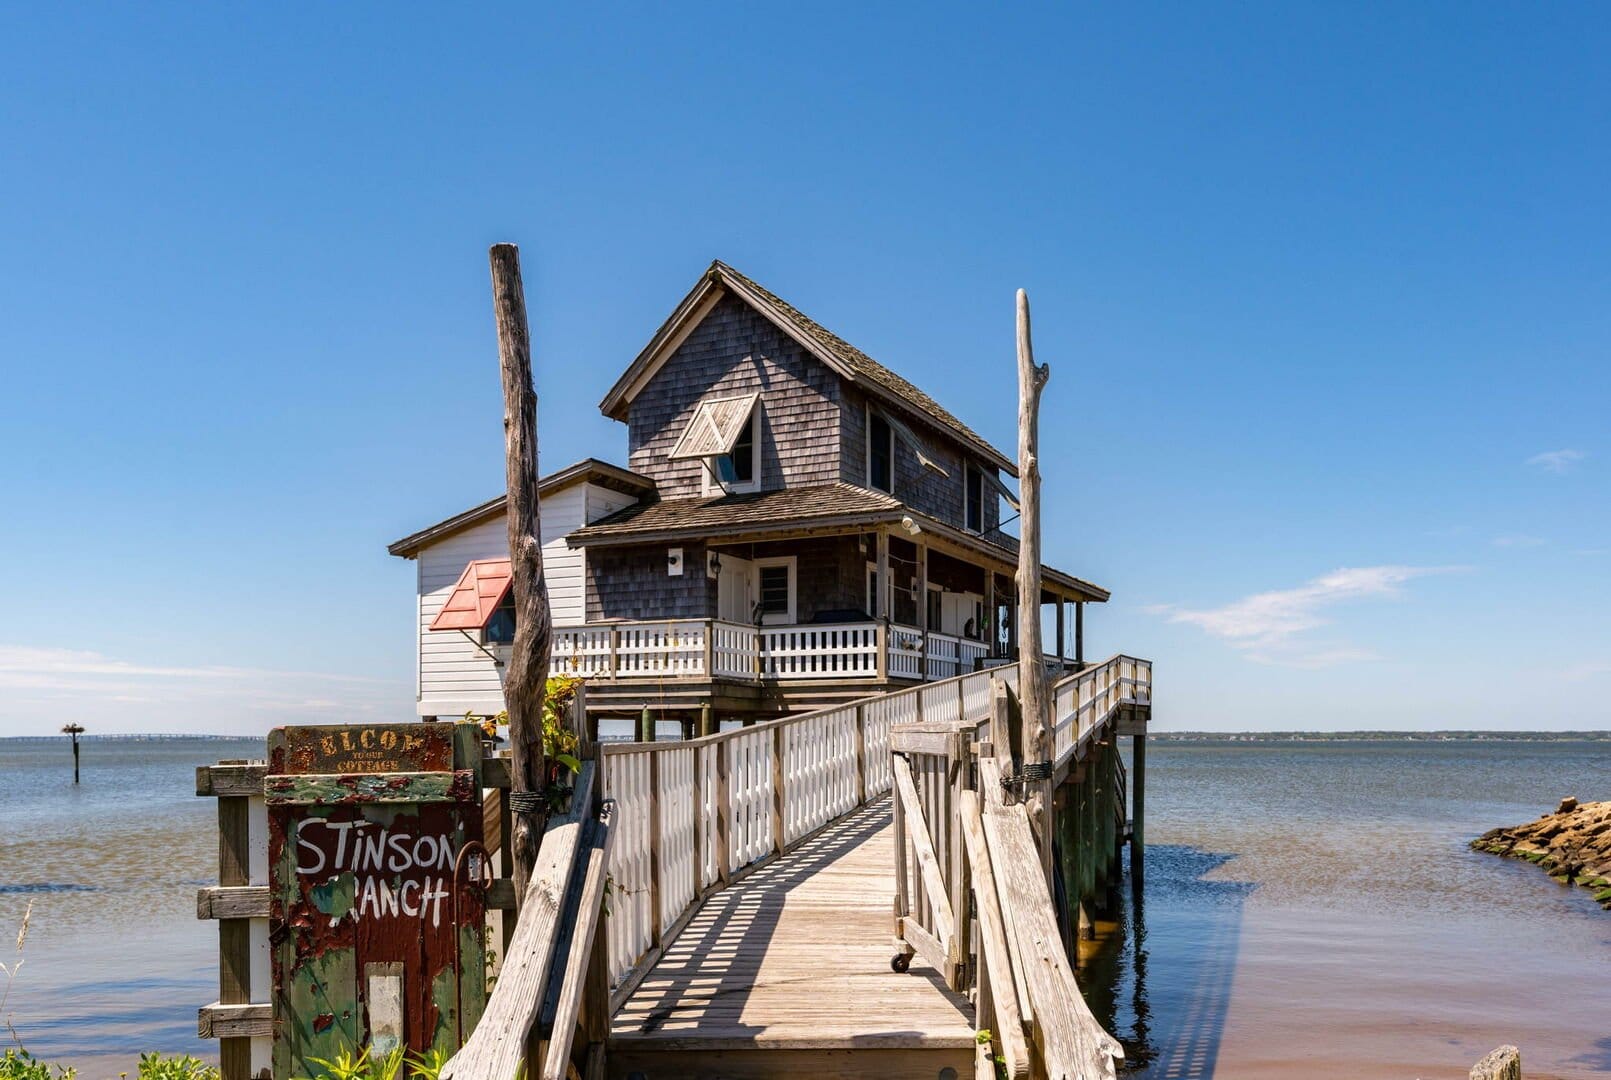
{"x": 849, "y": 892}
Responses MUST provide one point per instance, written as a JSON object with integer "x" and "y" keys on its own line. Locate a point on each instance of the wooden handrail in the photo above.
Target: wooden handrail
{"x": 589, "y": 913}
{"x": 498, "y": 1043}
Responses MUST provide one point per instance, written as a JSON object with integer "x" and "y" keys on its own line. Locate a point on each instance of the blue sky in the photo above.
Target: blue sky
{"x": 1324, "y": 291}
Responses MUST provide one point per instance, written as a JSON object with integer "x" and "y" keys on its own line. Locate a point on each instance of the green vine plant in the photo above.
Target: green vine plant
{"x": 560, "y": 744}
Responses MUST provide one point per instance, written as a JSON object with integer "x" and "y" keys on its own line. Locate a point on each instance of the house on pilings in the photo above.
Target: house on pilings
{"x": 797, "y": 526}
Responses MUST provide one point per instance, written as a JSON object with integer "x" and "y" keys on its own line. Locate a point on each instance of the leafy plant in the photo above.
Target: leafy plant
{"x": 360, "y": 1066}
{"x": 177, "y": 1067}
{"x": 560, "y": 743}
{"x": 18, "y": 1064}
{"x": 428, "y": 1066}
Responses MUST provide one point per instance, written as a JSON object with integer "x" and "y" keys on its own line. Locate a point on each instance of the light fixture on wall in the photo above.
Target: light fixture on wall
{"x": 911, "y": 526}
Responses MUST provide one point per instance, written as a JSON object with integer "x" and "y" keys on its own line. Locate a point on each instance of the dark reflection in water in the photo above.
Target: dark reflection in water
{"x": 1171, "y": 1029}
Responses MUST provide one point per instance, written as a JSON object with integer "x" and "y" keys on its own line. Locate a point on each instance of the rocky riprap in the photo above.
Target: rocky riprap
{"x": 1573, "y": 845}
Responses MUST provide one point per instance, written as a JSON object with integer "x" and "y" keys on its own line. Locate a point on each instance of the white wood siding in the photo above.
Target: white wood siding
{"x": 454, "y": 674}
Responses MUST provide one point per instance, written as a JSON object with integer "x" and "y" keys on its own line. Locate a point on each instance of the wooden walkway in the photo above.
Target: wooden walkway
{"x": 794, "y": 959}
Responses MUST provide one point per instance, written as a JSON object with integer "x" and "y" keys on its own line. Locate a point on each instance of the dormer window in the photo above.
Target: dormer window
{"x": 880, "y": 453}
{"x": 724, "y": 434}
{"x": 973, "y": 488}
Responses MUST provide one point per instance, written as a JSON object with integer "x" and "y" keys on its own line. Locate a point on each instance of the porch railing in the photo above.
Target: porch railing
{"x": 716, "y": 648}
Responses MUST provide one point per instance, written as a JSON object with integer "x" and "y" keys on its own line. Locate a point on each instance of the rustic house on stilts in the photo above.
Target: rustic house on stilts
{"x": 880, "y": 870}
{"x": 798, "y": 526}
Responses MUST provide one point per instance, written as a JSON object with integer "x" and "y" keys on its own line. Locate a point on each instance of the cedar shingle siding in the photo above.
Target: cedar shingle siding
{"x": 632, "y": 583}
{"x": 830, "y": 573}
{"x": 920, "y": 488}
{"x": 735, "y": 350}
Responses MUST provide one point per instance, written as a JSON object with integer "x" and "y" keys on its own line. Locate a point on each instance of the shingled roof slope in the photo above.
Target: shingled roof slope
{"x": 849, "y": 361}
{"x": 738, "y": 513}
{"x": 863, "y": 365}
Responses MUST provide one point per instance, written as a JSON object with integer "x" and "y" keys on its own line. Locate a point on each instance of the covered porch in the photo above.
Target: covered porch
{"x": 900, "y": 600}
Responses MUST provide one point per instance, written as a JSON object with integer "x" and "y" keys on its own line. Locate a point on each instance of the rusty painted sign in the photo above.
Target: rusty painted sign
{"x": 377, "y": 915}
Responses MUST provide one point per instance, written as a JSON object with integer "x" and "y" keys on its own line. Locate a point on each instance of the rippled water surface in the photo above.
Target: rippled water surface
{"x": 1311, "y": 910}
{"x": 116, "y": 961}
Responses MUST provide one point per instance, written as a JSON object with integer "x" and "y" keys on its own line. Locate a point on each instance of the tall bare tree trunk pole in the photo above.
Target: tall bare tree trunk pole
{"x": 1033, "y": 691}
{"x": 526, "y": 681}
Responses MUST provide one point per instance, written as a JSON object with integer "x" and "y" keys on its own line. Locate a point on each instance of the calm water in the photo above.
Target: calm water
{"x": 1311, "y": 910}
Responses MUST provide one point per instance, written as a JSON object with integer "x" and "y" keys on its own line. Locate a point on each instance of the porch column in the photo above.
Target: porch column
{"x": 923, "y": 586}
{"x": 1061, "y": 651}
{"x": 990, "y": 629}
{"x": 1012, "y": 625}
{"x": 923, "y": 607}
{"x": 1079, "y": 632}
{"x": 881, "y": 601}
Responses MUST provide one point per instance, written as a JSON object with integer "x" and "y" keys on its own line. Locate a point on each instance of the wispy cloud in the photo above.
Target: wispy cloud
{"x": 1557, "y": 461}
{"x": 1519, "y": 540}
{"x": 1269, "y": 626}
{"x": 38, "y": 684}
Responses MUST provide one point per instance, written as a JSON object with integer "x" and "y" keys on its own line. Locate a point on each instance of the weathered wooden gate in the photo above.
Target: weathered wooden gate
{"x": 376, "y": 870}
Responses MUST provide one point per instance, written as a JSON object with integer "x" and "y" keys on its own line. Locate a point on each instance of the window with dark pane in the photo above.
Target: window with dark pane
{"x": 501, "y": 627}
{"x": 774, "y": 590}
{"x": 742, "y": 459}
{"x": 880, "y": 454}
{"x": 975, "y": 485}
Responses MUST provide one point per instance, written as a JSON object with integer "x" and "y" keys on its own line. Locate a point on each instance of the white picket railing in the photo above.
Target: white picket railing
{"x": 704, "y": 648}
{"x": 692, "y": 814}
{"x": 846, "y": 651}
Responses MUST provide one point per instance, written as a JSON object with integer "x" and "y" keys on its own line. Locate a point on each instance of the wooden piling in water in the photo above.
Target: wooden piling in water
{"x": 1138, "y": 812}
{"x": 1087, "y": 844}
{"x": 75, "y": 730}
{"x": 1098, "y": 768}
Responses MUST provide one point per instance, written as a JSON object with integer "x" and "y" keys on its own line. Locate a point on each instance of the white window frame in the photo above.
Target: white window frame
{"x": 710, "y": 485}
{"x": 792, "y": 563}
{"x": 867, "y": 456}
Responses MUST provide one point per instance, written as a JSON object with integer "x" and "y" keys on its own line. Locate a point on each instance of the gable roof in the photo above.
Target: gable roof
{"x": 848, "y": 361}
{"x": 590, "y": 470}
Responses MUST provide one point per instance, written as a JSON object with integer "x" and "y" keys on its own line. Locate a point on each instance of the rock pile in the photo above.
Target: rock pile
{"x": 1573, "y": 845}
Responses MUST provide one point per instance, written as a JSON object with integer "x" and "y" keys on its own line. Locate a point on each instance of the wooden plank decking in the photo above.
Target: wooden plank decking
{"x": 794, "y": 960}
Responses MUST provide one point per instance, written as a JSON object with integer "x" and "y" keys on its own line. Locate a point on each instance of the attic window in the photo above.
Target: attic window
{"x": 880, "y": 453}
{"x": 974, "y": 488}
{"x": 724, "y": 433}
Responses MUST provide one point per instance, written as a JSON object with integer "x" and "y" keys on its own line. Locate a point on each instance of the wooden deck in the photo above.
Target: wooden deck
{"x": 794, "y": 960}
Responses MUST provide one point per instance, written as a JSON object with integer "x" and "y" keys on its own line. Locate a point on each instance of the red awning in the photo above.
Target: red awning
{"x": 480, "y": 590}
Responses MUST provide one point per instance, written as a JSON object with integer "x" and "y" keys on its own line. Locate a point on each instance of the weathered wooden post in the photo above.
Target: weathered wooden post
{"x": 75, "y": 730}
{"x": 526, "y": 679}
{"x": 646, "y": 725}
{"x": 1138, "y": 812}
{"x": 707, "y": 720}
{"x": 1034, "y": 694}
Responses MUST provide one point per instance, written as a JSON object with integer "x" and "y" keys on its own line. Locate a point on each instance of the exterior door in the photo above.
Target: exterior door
{"x": 736, "y": 589}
